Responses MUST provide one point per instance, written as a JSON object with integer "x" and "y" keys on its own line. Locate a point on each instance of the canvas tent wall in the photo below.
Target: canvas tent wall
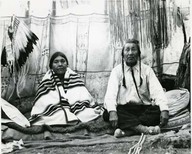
{"x": 93, "y": 41}
{"x": 75, "y": 36}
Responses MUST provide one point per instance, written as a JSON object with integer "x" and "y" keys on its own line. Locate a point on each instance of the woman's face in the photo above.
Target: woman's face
{"x": 59, "y": 65}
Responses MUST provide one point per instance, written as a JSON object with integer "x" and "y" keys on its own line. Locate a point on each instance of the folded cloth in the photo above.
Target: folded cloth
{"x": 177, "y": 121}
{"x": 178, "y": 99}
{"x": 179, "y": 115}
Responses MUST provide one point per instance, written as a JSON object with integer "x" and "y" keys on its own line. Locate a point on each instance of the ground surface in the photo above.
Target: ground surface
{"x": 167, "y": 143}
{"x": 106, "y": 149}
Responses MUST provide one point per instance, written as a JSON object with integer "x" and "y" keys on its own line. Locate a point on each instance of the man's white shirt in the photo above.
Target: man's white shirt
{"x": 151, "y": 91}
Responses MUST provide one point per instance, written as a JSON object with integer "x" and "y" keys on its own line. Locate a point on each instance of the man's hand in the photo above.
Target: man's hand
{"x": 113, "y": 119}
{"x": 164, "y": 117}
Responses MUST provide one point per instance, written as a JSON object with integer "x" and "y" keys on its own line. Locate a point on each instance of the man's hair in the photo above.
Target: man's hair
{"x": 55, "y": 55}
{"x": 132, "y": 41}
{"x": 139, "y": 53}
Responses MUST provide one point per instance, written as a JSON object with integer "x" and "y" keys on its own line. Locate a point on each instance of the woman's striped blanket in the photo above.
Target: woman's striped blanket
{"x": 57, "y": 104}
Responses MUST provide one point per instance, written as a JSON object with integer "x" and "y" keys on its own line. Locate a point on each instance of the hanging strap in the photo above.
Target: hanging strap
{"x": 132, "y": 73}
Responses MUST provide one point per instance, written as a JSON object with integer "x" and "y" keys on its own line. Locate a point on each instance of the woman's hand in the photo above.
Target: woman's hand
{"x": 98, "y": 110}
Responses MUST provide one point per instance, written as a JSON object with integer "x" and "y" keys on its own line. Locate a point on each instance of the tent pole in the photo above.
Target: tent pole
{"x": 27, "y": 11}
{"x": 53, "y": 14}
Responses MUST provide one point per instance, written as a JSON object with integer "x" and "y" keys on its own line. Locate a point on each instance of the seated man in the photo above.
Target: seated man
{"x": 135, "y": 101}
{"x": 62, "y": 98}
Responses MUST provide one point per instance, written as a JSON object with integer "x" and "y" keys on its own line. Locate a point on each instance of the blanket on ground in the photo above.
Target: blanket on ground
{"x": 63, "y": 104}
{"x": 81, "y": 142}
{"x": 180, "y": 116}
{"x": 96, "y": 127}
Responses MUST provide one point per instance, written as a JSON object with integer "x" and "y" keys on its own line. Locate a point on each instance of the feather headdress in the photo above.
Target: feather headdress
{"x": 19, "y": 48}
{"x": 19, "y": 42}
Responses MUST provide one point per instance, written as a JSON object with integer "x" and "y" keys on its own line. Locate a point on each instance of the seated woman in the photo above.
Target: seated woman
{"x": 62, "y": 98}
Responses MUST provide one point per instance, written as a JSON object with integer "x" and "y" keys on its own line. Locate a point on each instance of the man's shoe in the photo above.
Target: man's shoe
{"x": 119, "y": 133}
{"x": 155, "y": 130}
{"x": 152, "y": 130}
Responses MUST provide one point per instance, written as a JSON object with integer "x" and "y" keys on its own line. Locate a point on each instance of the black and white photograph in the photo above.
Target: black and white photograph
{"x": 95, "y": 76}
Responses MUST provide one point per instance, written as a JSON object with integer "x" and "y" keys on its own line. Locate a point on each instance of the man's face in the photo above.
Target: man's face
{"x": 131, "y": 54}
{"x": 59, "y": 65}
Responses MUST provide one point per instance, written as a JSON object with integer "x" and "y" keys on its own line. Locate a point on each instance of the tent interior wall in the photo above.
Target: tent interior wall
{"x": 91, "y": 34}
